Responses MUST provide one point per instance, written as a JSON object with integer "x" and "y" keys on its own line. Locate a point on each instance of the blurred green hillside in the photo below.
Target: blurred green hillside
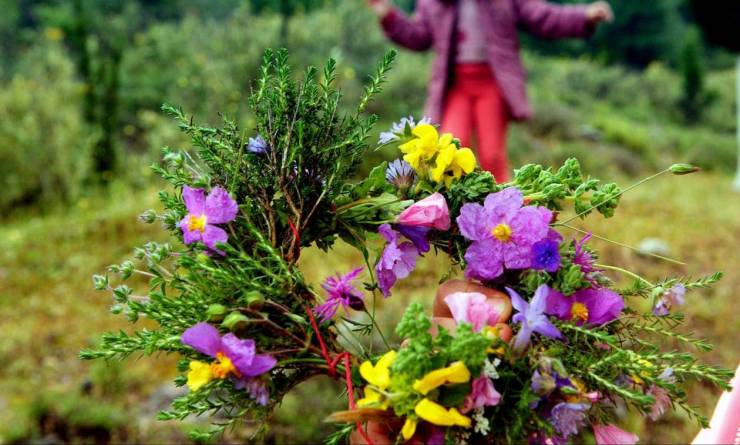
{"x": 81, "y": 83}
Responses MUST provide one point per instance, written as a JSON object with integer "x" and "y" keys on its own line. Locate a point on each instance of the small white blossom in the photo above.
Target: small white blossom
{"x": 482, "y": 425}
{"x": 397, "y": 130}
{"x": 462, "y": 437}
{"x": 489, "y": 369}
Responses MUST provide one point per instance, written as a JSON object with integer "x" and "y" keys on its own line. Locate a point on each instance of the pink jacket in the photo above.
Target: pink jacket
{"x": 433, "y": 23}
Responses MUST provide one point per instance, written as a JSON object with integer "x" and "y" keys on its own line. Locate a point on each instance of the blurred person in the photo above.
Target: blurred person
{"x": 477, "y": 81}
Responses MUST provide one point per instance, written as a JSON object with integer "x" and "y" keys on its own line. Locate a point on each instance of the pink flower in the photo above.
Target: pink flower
{"x": 204, "y": 212}
{"x": 431, "y": 211}
{"x": 471, "y": 308}
{"x": 662, "y": 402}
{"x": 612, "y": 435}
{"x": 482, "y": 394}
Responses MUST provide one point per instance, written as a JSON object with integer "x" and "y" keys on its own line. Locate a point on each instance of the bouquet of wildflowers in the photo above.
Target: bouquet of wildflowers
{"x": 531, "y": 343}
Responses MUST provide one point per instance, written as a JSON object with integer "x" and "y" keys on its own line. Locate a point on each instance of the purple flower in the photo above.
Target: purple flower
{"x": 546, "y": 256}
{"x": 583, "y": 258}
{"x": 672, "y": 297}
{"x": 568, "y": 418}
{"x": 340, "y": 292}
{"x": 397, "y": 260}
{"x": 482, "y": 394}
{"x": 532, "y": 318}
{"x": 257, "y": 145}
{"x": 399, "y": 129}
{"x": 400, "y": 174}
{"x": 587, "y": 306}
{"x": 203, "y": 213}
{"x": 417, "y": 235}
{"x": 235, "y": 357}
{"x": 503, "y": 233}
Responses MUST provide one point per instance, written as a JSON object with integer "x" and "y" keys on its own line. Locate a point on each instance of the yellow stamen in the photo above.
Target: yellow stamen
{"x": 502, "y": 232}
{"x": 222, "y": 367}
{"x": 197, "y": 223}
{"x": 579, "y": 311}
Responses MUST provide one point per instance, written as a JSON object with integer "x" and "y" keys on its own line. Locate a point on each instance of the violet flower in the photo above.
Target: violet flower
{"x": 587, "y": 306}
{"x": 203, "y": 213}
{"x": 612, "y": 435}
{"x": 567, "y": 418}
{"x": 417, "y": 235}
{"x": 258, "y": 145}
{"x": 672, "y": 297}
{"x": 482, "y": 394}
{"x": 546, "y": 255}
{"x": 471, "y": 308}
{"x": 396, "y": 261}
{"x": 340, "y": 293}
{"x": 234, "y": 357}
{"x": 503, "y": 233}
{"x": 532, "y": 317}
{"x": 584, "y": 259}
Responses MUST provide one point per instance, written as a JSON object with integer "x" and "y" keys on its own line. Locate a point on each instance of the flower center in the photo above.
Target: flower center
{"x": 197, "y": 223}
{"x": 222, "y": 367}
{"x": 579, "y": 311}
{"x": 502, "y": 232}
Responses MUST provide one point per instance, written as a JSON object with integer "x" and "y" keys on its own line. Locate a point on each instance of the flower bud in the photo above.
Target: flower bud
{"x": 296, "y": 318}
{"x": 254, "y": 300}
{"x": 683, "y": 169}
{"x": 216, "y": 312}
{"x": 148, "y": 216}
{"x": 235, "y": 321}
{"x": 100, "y": 282}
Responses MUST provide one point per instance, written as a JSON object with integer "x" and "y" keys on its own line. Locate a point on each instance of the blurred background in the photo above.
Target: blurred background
{"x": 81, "y": 83}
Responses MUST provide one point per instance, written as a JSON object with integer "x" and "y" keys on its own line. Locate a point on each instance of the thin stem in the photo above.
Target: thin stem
{"x": 147, "y": 274}
{"x": 626, "y": 246}
{"x": 635, "y": 185}
{"x": 377, "y": 327}
{"x": 625, "y": 271}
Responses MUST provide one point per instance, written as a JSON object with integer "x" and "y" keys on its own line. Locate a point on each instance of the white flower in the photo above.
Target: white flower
{"x": 482, "y": 425}
{"x": 489, "y": 369}
{"x": 397, "y": 130}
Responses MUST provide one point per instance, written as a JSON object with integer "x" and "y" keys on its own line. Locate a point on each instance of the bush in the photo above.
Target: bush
{"x": 44, "y": 142}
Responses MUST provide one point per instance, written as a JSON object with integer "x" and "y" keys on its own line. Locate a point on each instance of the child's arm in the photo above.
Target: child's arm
{"x": 411, "y": 32}
{"x": 551, "y": 21}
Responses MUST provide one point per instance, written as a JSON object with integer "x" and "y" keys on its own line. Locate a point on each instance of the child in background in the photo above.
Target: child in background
{"x": 477, "y": 81}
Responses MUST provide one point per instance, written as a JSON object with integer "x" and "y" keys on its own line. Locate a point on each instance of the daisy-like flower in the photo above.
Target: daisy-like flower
{"x": 400, "y": 174}
{"x": 452, "y": 163}
{"x": 531, "y": 316}
{"x": 398, "y": 129}
{"x": 587, "y": 306}
{"x": 503, "y": 233}
{"x": 397, "y": 260}
{"x": 568, "y": 418}
{"x": 340, "y": 293}
{"x": 234, "y": 358}
{"x": 204, "y": 212}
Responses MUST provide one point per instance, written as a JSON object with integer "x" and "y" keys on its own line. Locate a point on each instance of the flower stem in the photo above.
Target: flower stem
{"x": 625, "y": 271}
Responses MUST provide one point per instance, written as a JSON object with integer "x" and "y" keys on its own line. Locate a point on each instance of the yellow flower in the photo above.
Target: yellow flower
{"x": 373, "y": 399}
{"x": 409, "y": 428}
{"x": 424, "y": 146}
{"x": 378, "y": 375}
{"x": 438, "y": 415}
{"x": 452, "y": 163}
{"x": 455, "y": 373}
{"x": 199, "y": 374}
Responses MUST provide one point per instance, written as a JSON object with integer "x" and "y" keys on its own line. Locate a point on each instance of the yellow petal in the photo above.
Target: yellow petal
{"x": 386, "y": 360}
{"x": 378, "y": 375}
{"x": 455, "y": 373}
{"x": 409, "y": 428}
{"x": 438, "y": 415}
{"x": 465, "y": 159}
{"x": 408, "y": 147}
{"x": 427, "y": 132}
{"x": 199, "y": 374}
{"x": 444, "y": 159}
{"x": 373, "y": 399}
{"x": 414, "y": 159}
{"x": 445, "y": 140}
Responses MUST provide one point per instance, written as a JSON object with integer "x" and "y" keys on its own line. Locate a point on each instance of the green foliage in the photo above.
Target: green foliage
{"x": 694, "y": 96}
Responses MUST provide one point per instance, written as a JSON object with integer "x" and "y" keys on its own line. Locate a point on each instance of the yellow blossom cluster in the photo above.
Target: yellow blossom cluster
{"x": 437, "y": 157}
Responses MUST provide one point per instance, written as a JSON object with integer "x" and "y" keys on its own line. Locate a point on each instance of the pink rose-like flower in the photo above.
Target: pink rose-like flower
{"x": 472, "y": 308}
{"x": 482, "y": 394}
{"x": 612, "y": 435}
{"x": 431, "y": 212}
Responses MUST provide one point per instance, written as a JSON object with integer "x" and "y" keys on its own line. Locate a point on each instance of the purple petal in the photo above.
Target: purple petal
{"x": 528, "y": 227}
{"x": 260, "y": 365}
{"x": 388, "y": 233}
{"x": 603, "y": 305}
{"x": 519, "y": 304}
{"x": 214, "y": 235}
{"x": 544, "y": 327}
{"x": 220, "y": 208}
{"x": 474, "y": 222}
{"x": 204, "y": 338}
{"x": 558, "y": 305}
{"x": 522, "y": 338}
{"x": 539, "y": 301}
{"x": 240, "y": 352}
{"x": 504, "y": 203}
{"x": 417, "y": 235}
{"x": 517, "y": 256}
{"x": 195, "y": 199}
{"x": 484, "y": 260}
{"x": 189, "y": 236}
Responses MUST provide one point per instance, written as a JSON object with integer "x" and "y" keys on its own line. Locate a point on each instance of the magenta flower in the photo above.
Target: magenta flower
{"x": 483, "y": 393}
{"x": 396, "y": 261}
{"x": 340, "y": 292}
{"x": 531, "y": 316}
{"x": 567, "y": 418}
{"x": 612, "y": 435}
{"x": 235, "y": 358}
{"x": 584, "y": 259}
{"x": 587, "y": 306}
{"x": 503, "y": 233}
{"x": 471, "y": 308}
{"x": 672, "y": 297}
{"x": 203, "y": 213}
{"x": 431, "y": 212}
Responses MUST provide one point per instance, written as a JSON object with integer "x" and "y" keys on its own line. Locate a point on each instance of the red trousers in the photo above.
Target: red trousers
{"x": 474, "y": 102}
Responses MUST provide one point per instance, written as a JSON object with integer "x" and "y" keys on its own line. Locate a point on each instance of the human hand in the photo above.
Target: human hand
{"x": 381, "y": 8}
{"x": 599, "y": 12}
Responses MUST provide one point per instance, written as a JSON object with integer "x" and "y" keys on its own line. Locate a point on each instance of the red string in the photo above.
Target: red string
{"x": 296, "y": 235}
{"x": 332, "y": 371}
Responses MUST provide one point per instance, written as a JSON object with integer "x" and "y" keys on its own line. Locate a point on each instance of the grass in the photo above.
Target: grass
{"x": 49, "y": 310}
